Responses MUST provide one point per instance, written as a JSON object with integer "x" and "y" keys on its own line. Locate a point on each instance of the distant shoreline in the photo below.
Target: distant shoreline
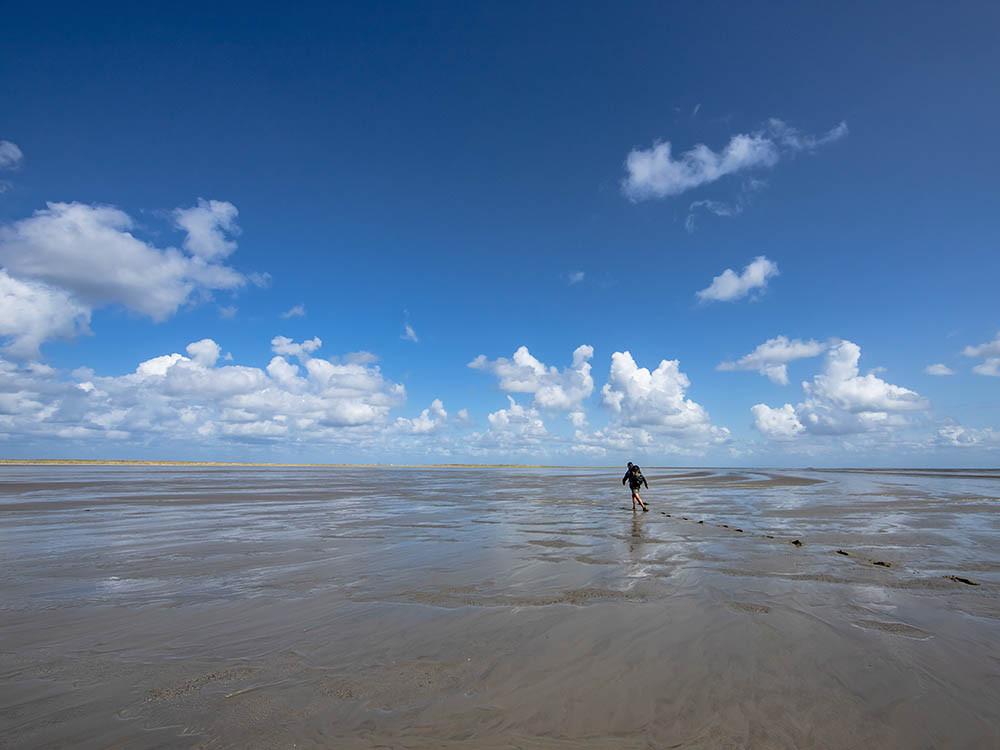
{"x": 287, "y": 465}
{"x": 249, "y": 464}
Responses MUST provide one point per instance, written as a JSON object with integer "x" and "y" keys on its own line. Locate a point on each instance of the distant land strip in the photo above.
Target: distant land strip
{"x": 130, "y": 462}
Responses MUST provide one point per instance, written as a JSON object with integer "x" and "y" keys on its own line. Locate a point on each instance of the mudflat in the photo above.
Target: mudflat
{"x": 209, "y": 607}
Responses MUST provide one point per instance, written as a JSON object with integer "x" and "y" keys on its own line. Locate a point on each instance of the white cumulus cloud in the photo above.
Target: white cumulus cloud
{"x": 938, "y": 369}
{"x": 841, "y": 385}
{"x": 432, "y": 418}
{"x": 989, "y": 367}
{"x": 205, "y": 352}
{"x": 514, "y": 427}
{"x": 285, "y": 346}
{"x": 32, "y": 312}
{"x": 176, "y": 395}
{"x": 990, "y": 353}
{"x": 207, "y": 225}
{"x": 656, "y": 400}
{"x": 729, "y": 285}
{"x": 656, "y": 173}
{"x": 780, "y": 424}
{"x": 840, "y": 401}
{"x": 88, "y": 257}
{"x": 989, "y": 349}
{"x": 553, "y": 389}
{"x": 771, "y": 357}
{"x": 190, "y": 399}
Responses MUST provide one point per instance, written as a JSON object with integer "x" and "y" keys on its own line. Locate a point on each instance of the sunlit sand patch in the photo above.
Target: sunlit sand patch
{"x": 194, "y": 684}
{"x": 389, "y": 686}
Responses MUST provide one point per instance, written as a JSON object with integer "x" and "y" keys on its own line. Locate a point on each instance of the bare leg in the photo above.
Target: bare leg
{"x": 636, "y": 498}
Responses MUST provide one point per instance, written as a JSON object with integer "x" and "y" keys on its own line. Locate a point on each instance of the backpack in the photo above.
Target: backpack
{"x": 635, "y": 475}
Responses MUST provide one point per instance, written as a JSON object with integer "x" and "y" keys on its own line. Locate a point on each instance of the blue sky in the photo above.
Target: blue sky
{"x": 698, "y": 233}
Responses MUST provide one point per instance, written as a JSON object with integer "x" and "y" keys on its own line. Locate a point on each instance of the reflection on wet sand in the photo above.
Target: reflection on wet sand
{"x": 212, "y": 606}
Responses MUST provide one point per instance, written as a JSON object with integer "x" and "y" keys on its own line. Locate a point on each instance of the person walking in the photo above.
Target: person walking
{"x": 635, "y": 479}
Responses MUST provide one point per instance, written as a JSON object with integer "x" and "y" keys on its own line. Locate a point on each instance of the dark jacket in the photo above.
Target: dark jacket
{"x": 635, "y": 478}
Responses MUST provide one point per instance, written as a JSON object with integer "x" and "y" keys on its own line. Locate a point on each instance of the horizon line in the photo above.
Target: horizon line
{"x": 278, "y": 464}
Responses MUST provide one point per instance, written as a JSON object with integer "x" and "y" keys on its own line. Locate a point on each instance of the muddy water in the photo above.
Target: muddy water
{"x": 200, "y": 607}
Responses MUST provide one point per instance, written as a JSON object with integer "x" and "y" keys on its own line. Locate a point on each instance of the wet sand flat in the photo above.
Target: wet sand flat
{"x": 211, "y": 607}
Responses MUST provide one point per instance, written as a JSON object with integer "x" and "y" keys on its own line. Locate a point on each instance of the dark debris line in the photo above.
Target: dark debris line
{"x": 800, "y": 543}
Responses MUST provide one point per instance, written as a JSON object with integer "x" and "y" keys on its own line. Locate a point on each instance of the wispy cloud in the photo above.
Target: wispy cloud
{"x": 10, "y": 159}
{"x": 956, "y": 436}
{"x": 574, "y": 277}
{"x": 656, "y": 173}
{"x": 794, "y": 139}
{"x": 296, "y": 312}
{"x": 10, "y": 155}
{"x": 260, "y": 280}
{"x": 409, "y": 334}
{"x": 729, "y": 285}
{"x": 713, "y": 207}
